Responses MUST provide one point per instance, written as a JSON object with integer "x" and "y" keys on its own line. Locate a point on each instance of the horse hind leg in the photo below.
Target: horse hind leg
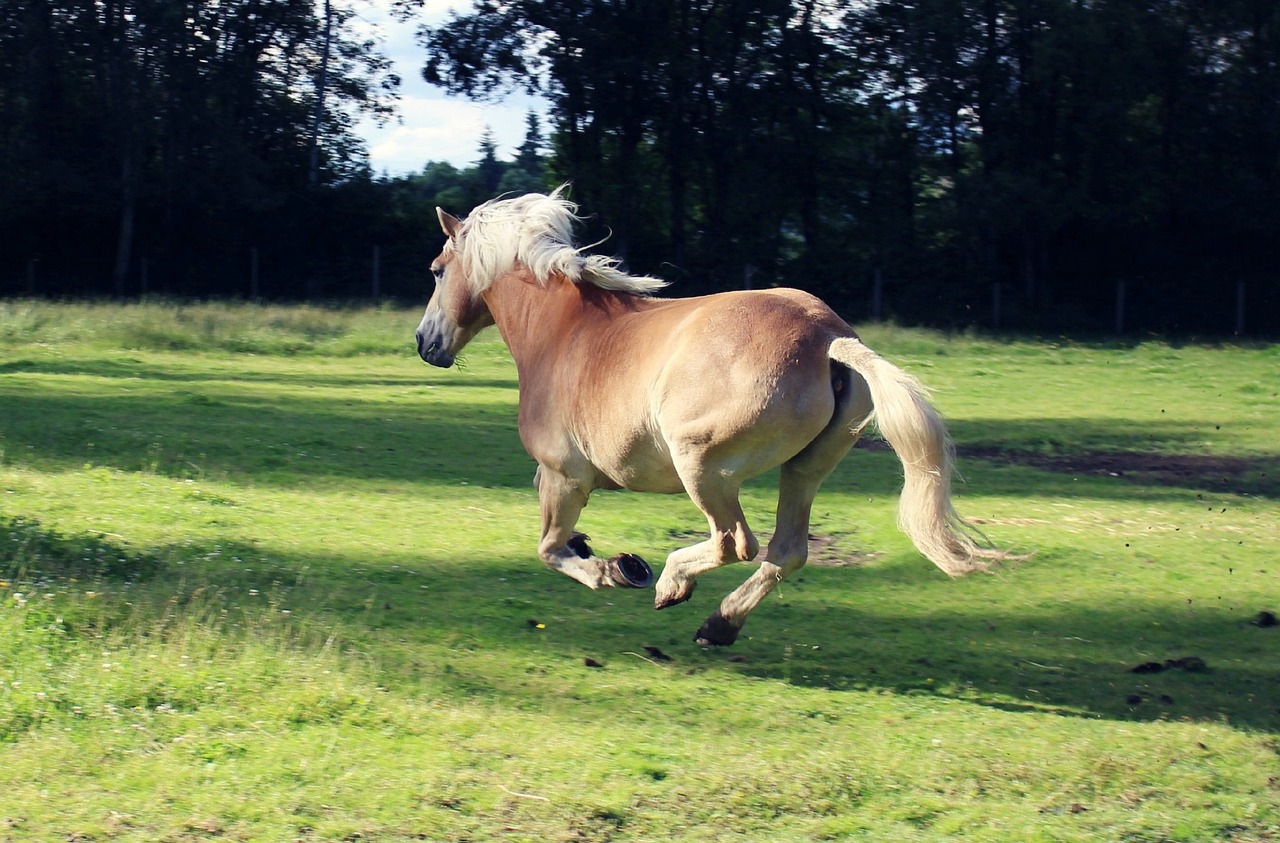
{"x": 730, "y": 540}
{"x": 787, "y": 553}
{"x": 564, "y": 550}
{"x": 788, "y": 549}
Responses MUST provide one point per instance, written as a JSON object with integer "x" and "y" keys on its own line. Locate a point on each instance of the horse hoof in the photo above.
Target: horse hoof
{"x": 716, "y": 631}
{"x": 631, "y": 571}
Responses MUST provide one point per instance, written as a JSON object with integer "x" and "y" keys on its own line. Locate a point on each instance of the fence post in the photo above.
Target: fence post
{"x": 1120, "y": 285}
{"x": 376, "y": 285}
{"x": 253, "y": 273}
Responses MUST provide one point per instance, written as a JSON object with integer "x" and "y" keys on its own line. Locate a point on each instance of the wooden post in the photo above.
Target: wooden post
{"x": 1239, "y": 308}
{"x": 995, "y": 306}
{"x": 253, "y": 273}
{"x": 1120, "y": 284}
{"x": 376, "y": 285}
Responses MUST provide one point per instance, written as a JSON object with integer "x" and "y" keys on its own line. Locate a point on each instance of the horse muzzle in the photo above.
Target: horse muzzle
{"x": 431, "y": 350}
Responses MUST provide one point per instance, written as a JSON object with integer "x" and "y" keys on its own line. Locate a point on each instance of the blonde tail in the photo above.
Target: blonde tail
{"x": 917, "y": 434}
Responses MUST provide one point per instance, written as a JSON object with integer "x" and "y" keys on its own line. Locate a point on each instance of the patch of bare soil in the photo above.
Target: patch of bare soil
{"x": 1227, "y": 474}
{"x": 824, "y": 552}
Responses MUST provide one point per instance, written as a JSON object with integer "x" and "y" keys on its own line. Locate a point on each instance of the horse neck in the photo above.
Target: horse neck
{"x": 536, "y": 318}
{"x": 531, "y": 315}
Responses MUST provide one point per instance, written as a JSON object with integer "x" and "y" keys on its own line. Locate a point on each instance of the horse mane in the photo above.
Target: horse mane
{"x": 537, "y": 230}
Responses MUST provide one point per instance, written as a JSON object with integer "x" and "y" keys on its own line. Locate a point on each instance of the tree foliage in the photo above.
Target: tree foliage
{"x": 923, "y": 160}
{"x": 178, "y": 133}
{"x": 939, "y": 149}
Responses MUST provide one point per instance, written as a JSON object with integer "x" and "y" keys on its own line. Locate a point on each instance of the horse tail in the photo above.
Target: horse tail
{"x": 918, "y": 436}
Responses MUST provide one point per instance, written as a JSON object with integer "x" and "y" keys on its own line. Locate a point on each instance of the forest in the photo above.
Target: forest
{"x": 1033, "y": 165}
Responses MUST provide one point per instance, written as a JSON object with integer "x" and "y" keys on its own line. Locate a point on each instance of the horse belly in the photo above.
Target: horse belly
{"x": 639, "y": 463}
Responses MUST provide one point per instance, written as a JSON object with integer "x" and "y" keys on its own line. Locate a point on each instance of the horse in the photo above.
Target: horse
{"x": 621, "y": 389}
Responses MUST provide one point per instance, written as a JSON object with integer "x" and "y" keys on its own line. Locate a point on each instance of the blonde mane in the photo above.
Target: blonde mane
{"x": 537, "y": 231}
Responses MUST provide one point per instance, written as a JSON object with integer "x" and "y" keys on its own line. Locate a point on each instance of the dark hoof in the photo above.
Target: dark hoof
{"x": 578, "y": 544}
{"x": 631, "y": 571}
{"x": 716, "y": 631}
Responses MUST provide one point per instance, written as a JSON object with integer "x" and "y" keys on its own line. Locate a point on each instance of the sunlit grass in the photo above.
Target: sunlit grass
{"x": 265, "y": 576}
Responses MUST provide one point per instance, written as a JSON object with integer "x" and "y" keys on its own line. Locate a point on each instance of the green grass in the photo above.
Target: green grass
{"x": 266, "y": 576}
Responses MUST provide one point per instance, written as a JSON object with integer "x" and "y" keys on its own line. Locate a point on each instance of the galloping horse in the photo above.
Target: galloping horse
{"x": 619, "y": 389}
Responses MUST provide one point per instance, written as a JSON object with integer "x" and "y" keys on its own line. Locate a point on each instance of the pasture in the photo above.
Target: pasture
{"x": 266, "y": 576}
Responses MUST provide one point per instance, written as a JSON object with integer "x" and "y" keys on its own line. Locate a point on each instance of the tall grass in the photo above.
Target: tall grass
{"x": 226, "y": 326}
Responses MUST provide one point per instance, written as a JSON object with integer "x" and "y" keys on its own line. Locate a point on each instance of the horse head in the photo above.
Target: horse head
{"x": 456, "y": 313}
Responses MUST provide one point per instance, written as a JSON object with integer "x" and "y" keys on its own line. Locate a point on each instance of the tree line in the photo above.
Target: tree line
{"x": 1037, "y": 163}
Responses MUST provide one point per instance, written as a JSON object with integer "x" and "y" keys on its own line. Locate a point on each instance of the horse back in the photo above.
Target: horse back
{"x": 741, "y": 377}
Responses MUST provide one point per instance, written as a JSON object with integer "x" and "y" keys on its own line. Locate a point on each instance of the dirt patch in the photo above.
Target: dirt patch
{"x": 824, "y": 552}
{"x": 1227, "y": 474}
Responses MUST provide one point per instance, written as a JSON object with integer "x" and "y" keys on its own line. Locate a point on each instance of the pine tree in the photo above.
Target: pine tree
{"x": 489, "y": 168}
{"x": 529, "y": 158}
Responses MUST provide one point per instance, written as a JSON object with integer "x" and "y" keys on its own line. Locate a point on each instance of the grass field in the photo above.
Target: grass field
{"x": 266, "y": 576}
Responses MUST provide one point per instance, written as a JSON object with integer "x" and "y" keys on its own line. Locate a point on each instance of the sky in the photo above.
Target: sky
{"x": 431, "y": 125}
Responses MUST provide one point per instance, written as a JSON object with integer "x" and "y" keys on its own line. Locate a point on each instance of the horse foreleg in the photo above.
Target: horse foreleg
{"x": 562, "y": 500}
{"x": 731, "y": 540}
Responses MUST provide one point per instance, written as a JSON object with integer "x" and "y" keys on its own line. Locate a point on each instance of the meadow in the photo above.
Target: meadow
{"x": 266, "y": 576}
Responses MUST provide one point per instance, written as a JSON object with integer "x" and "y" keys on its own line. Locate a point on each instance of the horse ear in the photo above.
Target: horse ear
{"x": 448, "y": 222}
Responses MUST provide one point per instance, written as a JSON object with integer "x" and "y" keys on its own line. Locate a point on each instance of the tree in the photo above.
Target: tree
{"x": 168, "y": 128}
{"x": 675, "y": 112}
{"x": 488, "y": 168}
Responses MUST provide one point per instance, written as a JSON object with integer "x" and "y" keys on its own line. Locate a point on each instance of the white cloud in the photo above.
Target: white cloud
{"x": 431, "y": 125}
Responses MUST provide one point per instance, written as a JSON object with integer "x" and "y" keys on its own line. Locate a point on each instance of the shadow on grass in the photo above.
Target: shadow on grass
{"x": 249, "y": 437}
{"x": 837, "y": 630}
{"x": 125, "y": 369}
{"x": 1075, "y": 660}
{"x": 897, "y": 627}
{"x": 1161, "y": 454}
{"x": 229, "y": 434}
{"x": 32, "y": 552}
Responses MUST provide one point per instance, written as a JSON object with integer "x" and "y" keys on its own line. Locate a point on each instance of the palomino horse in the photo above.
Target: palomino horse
{"x": 695, "y": 395}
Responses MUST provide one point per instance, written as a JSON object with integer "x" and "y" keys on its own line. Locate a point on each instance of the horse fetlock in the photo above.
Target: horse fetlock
{"x": 626, "y": 570}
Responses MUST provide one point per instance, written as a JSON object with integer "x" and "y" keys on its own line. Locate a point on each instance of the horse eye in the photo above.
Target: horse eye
{"x": 438, "y": 272}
